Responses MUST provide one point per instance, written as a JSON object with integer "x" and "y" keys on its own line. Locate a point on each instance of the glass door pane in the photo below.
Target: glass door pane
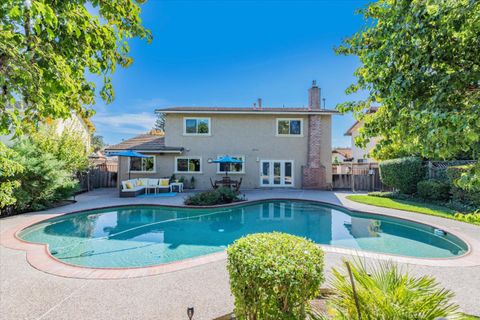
{"x": 277, "y": 173}
{"x": 288, "y": 173}
{"x": 265, "y": 173}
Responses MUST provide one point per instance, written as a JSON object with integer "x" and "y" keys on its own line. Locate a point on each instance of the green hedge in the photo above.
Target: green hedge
{"x": 459, "y": 194}
{"x": 433, "y": 190}
{"x": 209, "y": 198}
{"x": 274, "y": 275}
{"x": 402, "y": 174}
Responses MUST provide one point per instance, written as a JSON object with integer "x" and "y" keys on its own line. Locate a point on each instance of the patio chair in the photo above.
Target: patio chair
{"x": 237, "y": 187}
{"x": 214, "y": 185}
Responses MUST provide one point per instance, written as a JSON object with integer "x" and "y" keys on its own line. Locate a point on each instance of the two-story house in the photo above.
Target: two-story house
{"x": 278, "y": 147}
{"x": 361, "y": 155}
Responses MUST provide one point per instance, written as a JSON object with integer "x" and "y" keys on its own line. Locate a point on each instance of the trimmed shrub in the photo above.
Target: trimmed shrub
{"x": 433, "y": 190}
{"x": 403, "y": 174}
{"x": 458, "y": 194}
{"x": 274, "y": 275}
{"x": 209, "y": 198}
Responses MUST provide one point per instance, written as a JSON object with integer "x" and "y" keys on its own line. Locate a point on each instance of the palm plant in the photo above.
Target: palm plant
{"x": 385, "y": 292}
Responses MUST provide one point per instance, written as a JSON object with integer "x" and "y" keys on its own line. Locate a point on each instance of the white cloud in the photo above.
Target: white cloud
{"x": 126, "y": 123}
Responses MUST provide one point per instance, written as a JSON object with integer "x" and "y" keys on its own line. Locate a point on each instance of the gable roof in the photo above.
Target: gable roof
{"x": 354, "y": 125}
{"x": 244, "y": 110}
{"x": 145, "y": 143}
{"x": 346, "y": 152}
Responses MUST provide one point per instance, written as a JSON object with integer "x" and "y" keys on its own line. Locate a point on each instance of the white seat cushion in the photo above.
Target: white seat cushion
{"x": 152, "y": 182}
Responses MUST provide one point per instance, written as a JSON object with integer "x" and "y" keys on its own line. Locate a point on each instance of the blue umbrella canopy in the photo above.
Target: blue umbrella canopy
{"x": 227, "y": 159}
{"x": 128, "y": 153}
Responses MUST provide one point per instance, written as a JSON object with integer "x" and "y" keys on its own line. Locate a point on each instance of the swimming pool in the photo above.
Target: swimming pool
{"x": 139, "y": 236}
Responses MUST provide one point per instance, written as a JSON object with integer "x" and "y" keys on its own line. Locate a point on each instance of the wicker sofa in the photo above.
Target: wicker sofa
{"x": 135, "y": 187}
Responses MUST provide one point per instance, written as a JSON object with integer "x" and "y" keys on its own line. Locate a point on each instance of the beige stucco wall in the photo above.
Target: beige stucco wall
{"x": 252, "y": 136}
{"x": 74, "y": 124}
{"x": 362, "y": 153}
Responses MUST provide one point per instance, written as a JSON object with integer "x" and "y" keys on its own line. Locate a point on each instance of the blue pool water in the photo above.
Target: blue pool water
{"x": 138, "y": 236}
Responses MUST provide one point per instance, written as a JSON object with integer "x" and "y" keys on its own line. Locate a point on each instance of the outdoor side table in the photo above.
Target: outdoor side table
{"x": 179, "y": 186}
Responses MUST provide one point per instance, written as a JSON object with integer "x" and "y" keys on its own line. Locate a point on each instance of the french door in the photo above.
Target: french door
{"x": 276, "y": 173}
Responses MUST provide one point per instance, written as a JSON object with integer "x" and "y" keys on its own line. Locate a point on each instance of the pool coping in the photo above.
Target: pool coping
{"x": 39, "y": 256}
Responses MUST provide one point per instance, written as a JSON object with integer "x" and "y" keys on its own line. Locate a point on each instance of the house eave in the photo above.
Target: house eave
{"x": 250, "y": 112}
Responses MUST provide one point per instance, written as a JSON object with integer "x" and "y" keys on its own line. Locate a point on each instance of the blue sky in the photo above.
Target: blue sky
{"x": 229, "y": 53}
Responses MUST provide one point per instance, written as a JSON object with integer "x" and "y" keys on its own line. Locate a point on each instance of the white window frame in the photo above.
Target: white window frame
{"x": 188, "y": 172}
{"x": 197, "y": 134}
{"x": 270, "y": 174}
{"x": 232, "y": 172}
{"x": 142, "y": 171}
{"x": 289, "y": 135}
{"x": 271, "y": 211}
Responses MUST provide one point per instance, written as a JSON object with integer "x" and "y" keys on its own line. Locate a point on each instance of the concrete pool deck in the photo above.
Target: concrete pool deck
{"x": 27, "y": 293}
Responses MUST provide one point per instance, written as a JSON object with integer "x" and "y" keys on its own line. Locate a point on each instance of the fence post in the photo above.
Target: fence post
{"x": 430, "y": 169}
{"x": 352, "y": 178}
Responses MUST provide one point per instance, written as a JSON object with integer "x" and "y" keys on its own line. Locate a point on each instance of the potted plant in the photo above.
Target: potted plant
{"x": 192, "y": 183}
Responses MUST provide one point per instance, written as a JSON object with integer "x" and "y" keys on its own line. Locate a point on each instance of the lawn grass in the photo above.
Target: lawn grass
{"x": 420, "y": 207}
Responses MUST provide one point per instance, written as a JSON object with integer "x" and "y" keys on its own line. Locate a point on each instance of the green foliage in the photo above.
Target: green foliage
{"x": 473, "y": 217}
{"x": 221, "y": 195}
{"x": 68, "y": 148}
{"x": 420, "y": 62}
{"x": 384, "y": 292}
{"x": 433, "y": 190}
{"x": 47, "y": 49}
{"x": 470, "y": 179}
{"x": 44, "y": 179}
{"x": 469, "y": 196}
{"x": 274, "y": 275}
{"x": 98, "y": 143}
{"x": 9, "y": 169}
{"x": 403, "y": 174}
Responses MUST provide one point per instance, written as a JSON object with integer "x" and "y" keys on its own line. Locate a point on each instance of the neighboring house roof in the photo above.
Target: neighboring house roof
{"x": 346, "y": 152}
{"x": 355, "y": 125}
{"x": 145, "y": 143}
{"x": 243, "y": 110}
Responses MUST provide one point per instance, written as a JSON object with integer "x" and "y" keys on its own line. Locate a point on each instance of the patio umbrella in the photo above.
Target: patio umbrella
{"x": 227, "y": 160}
{"x": 128, "y": 153}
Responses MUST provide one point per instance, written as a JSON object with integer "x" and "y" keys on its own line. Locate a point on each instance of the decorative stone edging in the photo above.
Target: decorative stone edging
{"x": 39, "y": 257}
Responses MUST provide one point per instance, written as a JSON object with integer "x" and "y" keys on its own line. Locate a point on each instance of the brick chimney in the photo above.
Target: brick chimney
{"x": 314, "y": 172}
{"x": 314, "y": 96}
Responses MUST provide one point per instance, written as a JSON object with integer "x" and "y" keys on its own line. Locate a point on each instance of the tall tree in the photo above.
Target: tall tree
{"x": 160, "y": 122}
{"x": 48, "y": 48}
{"x": 420, "y": 61}
{"x": 98, "y": 143}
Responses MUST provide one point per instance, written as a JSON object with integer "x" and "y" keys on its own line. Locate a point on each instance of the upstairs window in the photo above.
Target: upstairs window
{"x": 196, "y": 126}
{"x": 289, "y": 127}
{"x": 142, "y": 164}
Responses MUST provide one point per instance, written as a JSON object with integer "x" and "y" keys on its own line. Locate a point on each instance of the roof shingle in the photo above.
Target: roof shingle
{"x": 144, "y": 142}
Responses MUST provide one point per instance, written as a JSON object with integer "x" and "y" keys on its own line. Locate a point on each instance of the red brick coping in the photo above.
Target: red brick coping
{"x": 39, "y": 257}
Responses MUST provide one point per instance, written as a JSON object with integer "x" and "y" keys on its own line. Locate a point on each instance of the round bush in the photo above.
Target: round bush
{"x": 458, "y": 194}
{"x": 213, "y": 197}
{"x": 274, "y": 275}
{"x": 403, "y": 174}
{"x": 433, "y": 190}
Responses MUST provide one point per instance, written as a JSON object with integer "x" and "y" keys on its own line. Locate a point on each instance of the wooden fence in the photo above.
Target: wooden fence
{"x": 366, "y": 176}
{"x": 101, "y": 176}
{"x": 438, "y": 169}
{"x": 357, "y": 177}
